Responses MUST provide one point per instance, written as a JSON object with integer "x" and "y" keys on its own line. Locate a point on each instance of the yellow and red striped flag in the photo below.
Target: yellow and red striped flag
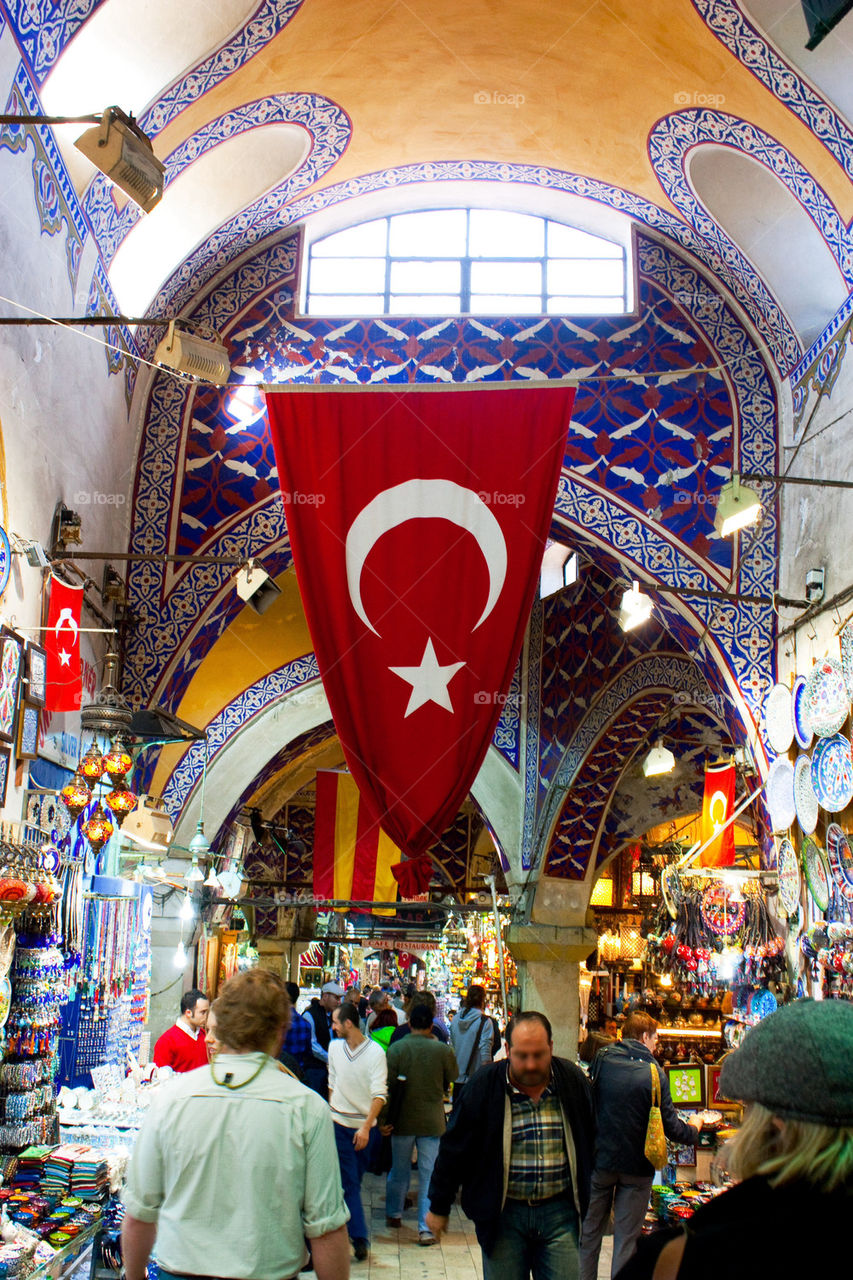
{"x": 353, "y": 856}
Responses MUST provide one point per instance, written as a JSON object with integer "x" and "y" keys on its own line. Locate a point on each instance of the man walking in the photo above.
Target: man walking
{"x": 319, "y": 1014}
{"x": 422, "y": 1069}
{"x": 380, "y": 1001}
{"x": 232, "y": 1148}
{"x": 357, "y": 1093}
{"x": 183, "y": 1046}
{"x": 297, "y": 1042}
{"x": 622, "y": 1176}
{"x": 520, "y": 1145}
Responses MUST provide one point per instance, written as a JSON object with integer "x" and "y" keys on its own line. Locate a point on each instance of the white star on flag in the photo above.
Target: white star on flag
{"x": 64, "y": 657}
{"x": 429, "y": 681}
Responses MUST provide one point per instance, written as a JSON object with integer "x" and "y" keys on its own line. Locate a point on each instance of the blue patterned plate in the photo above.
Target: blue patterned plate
{"x": 846, "y": 641}
{"x": 840, "y": 860}
{"x": 802, "y": 729}
{"x": 832, "y": 773}
{"x": 779, "y": 791}
{"x": 817, "y": 872}
{"x": 788, "y": 867}
{"x": 826, "y": 701}
{"x": 804, "y": 796}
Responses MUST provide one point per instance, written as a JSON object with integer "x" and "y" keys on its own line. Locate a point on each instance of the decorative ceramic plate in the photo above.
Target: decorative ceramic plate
{"x": 805, "y": 799}
{"x": 671, "y": 891}
{"x": 827, "y": 703}
{"x": 840, "y": 860}
{"x": 817, "y": 872}
{"x": 779, "y": 790}
{"x": 788, "y": 867}
{"x": 779, "y": 718}
{"x": 846, "y": 639}
{"x": 802, "y": 729}
{"x": 5, "y": 1000}
{"x": 832, "y": 773}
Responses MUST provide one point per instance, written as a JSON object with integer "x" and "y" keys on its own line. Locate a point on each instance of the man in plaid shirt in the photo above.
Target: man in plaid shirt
{"x": 297, "y": 1042}
{"x": 520, "y": 1146}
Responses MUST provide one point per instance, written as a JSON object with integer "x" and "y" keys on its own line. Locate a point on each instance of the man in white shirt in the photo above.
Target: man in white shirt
{"x": 228, "y": 1150}
{"x": 358, "y": 1077}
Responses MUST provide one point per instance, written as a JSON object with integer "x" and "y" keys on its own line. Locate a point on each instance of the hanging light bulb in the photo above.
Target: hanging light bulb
{"x": 635, "y": 609}
{"x": 118, "y": 761}
{"x": 199, "y": 846}
{"x": 186, "y": 911}
{"x": 75, "y": 795}
{"x": 120, "y": 801}
{"x": 98, "y": 829}
{"x": 180, "y": 957}
{"x": 212, "y": 881}
{"x": 194, "y": 875}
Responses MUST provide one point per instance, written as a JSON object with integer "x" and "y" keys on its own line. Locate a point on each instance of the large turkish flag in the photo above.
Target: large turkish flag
{"x": 62, "y": 641}
{"x": 417, "y": 520}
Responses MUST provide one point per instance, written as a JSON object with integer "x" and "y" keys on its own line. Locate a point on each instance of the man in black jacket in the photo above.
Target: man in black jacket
{"x": 520, "y": 1146}
{"x": 622, "y": 1177}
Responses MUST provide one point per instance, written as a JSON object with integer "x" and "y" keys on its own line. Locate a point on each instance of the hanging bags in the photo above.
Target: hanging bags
{"x": 654, "y": 1148}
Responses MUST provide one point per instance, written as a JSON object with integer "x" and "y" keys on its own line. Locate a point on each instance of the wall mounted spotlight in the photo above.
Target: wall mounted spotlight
{"x": 256, "y": 587}
{"x": 202, "y": 359}
{"x": 635, "y": 609}
{"x": 738, "y": 507}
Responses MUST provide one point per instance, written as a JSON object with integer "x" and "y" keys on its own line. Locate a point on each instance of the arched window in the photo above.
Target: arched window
{"x": 465, "y": 261}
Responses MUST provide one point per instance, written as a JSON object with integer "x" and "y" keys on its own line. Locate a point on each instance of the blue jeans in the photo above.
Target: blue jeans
{"x": 353, "y": 1165}
{"x": 401, "y": 1169}
{"x": 541, "y": 1240}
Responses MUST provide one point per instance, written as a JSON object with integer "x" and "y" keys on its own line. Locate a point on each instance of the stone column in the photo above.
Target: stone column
{"x": 548, "y": 959}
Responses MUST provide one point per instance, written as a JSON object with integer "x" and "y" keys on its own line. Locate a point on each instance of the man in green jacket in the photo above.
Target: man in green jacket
{"x": 420, "y": 1072}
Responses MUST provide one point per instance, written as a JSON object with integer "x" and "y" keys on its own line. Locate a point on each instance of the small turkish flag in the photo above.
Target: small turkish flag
{"x": 418, "y": 519}
{"x": 62, "y": 642}
{"x": 718, "y": 806}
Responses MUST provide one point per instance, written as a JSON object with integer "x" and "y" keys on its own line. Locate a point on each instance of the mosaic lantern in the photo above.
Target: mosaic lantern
{"x": 118, "y": 761}
{"x": 120, "y": 802}
{"x": 98, "y": 829}
{"x": 76, "y": 795}
{"x": 92, "y": 764}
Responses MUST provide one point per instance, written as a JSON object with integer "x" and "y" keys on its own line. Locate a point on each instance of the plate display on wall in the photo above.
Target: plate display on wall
{"x": 840, "y": 860}
{"x": 846, "y": 639}
{"x": 788, "y": 868}
{"x": 779, "y": 790}
{"x": 5, "y": 560}
{"x": 816, "y": 870}
{"x": 805, "y": 799}
{"x": 5, "y": 1000}
{"x": 832, "y": 773}
{"x": 827, "y": 703}
{"x": 779, "y": 718}
{"x": 802, "y": 729}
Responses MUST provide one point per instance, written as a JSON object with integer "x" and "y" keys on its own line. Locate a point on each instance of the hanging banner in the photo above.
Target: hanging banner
{"x": 417, "y": 520}
{"x": 353, "y": 857}
{"x": 717, "y": 807}
{"x": 62, "y": 643}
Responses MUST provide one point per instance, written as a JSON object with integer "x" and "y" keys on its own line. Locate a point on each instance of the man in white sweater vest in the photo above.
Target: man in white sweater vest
{"x": 357, "y": 1091}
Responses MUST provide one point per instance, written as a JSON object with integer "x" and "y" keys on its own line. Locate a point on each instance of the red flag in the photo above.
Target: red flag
{"x": 717, "y": 806}
{"x": 353, "y": 857}
{"x": 62, "y": 642}
{"x": 417, "y": 520}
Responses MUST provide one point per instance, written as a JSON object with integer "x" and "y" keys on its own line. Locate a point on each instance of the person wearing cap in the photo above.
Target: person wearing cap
{"x": 793, "y": 1156}
{"x": 319, "y": 1014}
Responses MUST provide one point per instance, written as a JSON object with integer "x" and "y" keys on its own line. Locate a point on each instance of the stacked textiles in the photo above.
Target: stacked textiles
{"x": 90, "y": 1178}
{"x": 30, "y": 1170}
{"x": 58, "y": 1166}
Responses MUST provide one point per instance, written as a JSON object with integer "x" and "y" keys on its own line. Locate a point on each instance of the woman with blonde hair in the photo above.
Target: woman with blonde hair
{"x": 793, "y": 1157}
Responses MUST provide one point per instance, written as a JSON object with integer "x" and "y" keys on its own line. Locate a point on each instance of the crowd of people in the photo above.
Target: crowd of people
{"x": 539, "y": 1151}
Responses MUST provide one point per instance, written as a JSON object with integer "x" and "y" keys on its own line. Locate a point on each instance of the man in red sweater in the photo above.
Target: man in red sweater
{"x": 183, "y": 1047}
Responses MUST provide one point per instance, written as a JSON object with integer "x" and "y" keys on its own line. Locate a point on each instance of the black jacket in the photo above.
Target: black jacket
{"x": 622, "y": 1089}
{"x": 753, "y": 1231}
{"x": 320, "y": 1018}
{"x": 471, "y": 1154}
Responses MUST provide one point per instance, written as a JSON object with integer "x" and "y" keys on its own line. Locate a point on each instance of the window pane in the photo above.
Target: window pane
{"x": 568, "y": 242}
{"x": 500, "y": 304}
{"x": 506, "y": 277}
{"x": 435, "y": 231}
{"x": 577, "y": 276}
{"x": 423, "y": 304}
{"x": 364, "y": 241}
{"x": 347, "y": 275}
{"x": 351, "y": 304}
{"x": 497, "y": 234}
{"x": 579, "y": 306}
{"x": 425, "y": 277}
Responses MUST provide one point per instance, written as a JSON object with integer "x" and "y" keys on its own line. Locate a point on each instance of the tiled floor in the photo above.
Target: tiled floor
{"x": 396, "y": 1254}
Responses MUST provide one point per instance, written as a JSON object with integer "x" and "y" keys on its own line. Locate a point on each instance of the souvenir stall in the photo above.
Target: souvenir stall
{"x": 468, "y": 953}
